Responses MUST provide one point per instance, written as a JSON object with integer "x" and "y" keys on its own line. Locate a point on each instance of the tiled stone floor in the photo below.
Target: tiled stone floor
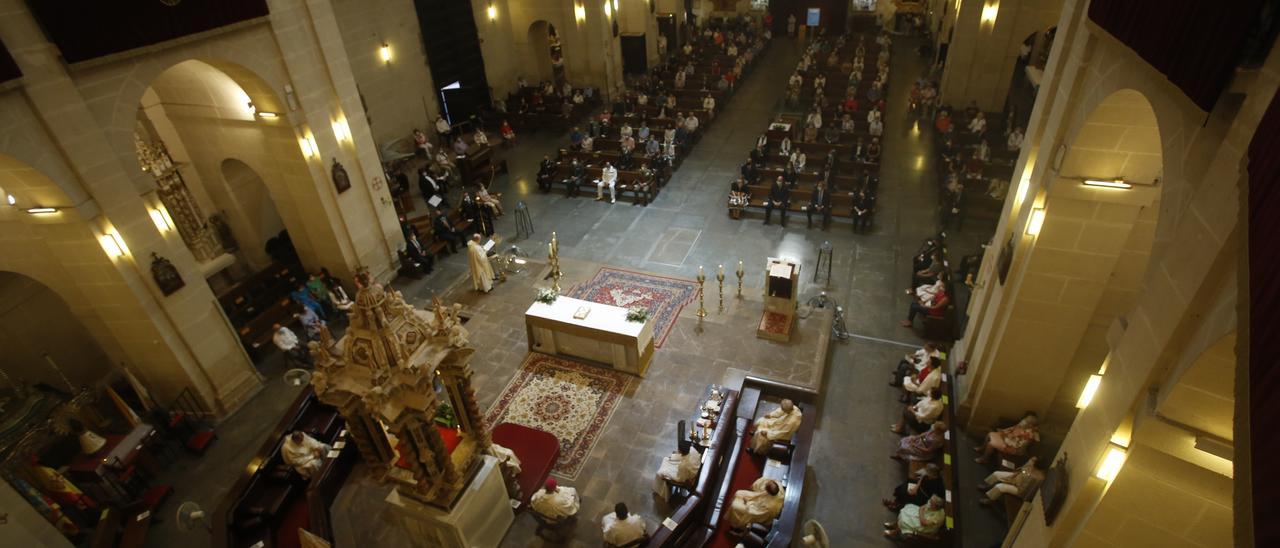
{"x": 684, "y": 228}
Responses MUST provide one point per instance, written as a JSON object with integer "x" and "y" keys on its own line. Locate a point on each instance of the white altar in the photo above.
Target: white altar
{"x": 603, "y": 336}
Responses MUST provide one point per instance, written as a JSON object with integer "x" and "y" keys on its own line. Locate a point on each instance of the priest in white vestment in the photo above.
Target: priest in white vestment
{"x": 680, "y": 467}
{"x": 481, "y": 270}
{"x": 304, "y": 453}
{"x": 555, "y": 502}
{"x": 760, "y": 504}
{"x": 620, "y": 528}
{"x": 776, "y": 425}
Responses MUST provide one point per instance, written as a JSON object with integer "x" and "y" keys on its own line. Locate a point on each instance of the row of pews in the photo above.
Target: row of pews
{"x": 270, "y": 501}
{"x": 256, "y": 303}
{"x": 700, "y": 519}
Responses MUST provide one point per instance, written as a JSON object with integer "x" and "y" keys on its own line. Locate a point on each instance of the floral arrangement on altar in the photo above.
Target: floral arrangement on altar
{"x": 546, "y": 296}
{"x": 637, "y": 314}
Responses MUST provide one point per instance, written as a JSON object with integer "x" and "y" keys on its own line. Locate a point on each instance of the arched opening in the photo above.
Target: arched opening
{"x": 44, "y": 342}
{"x": 227, "y": 167}
{"x": 1095, "y": 242}
{"x": 544, "y": 44}
{"x": 255, "y": 220}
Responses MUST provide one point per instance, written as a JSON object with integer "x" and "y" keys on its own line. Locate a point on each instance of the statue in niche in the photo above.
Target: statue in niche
{"x": 166, "y": 275}
{"x": 340, "y": 179}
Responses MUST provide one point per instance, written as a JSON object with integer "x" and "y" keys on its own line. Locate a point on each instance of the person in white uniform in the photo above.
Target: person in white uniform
{"x": 760, "y": 504}
{"x": 481, "y": 270}
{"x": 555, "y": 502}
{"x": 304, "y": 453}
{"x": 680, "y": 467}
{"x": 621, "y": 528}
{"x": 776, "y": 425}
{"x": 608, "y": 176}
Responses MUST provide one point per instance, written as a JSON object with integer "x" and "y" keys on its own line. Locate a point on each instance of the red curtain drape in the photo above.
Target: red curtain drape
{"x": 1194, "y": 43}
{"x": 1264, "y": 322}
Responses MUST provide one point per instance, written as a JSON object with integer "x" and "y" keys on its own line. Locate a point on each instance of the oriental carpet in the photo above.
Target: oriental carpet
{"x": 663, "y": 297}
{"x": 571, "y": 400}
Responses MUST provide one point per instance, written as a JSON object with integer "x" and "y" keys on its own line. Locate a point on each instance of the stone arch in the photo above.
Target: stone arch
{"x": 62, "y": 252}
{"x": 199, "y": 108}
{"x": 539, "y": 35}
{"x": 250, "y": 211}
{"x": 38, "y": 331}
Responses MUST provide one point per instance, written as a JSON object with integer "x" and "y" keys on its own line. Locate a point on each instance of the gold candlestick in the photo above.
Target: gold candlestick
{"x": 740, "y": 273}
{"x": 553, "y": 257}
{"x": 720, "y": 278}
{"x": 702, "y": 278}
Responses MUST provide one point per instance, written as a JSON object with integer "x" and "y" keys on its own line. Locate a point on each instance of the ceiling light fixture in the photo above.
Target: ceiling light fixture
{"x": 1114, "y": 183}
{"x": 1110, "y": 466}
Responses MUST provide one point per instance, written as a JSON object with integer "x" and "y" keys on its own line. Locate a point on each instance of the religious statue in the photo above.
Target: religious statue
{"x": 166, "y": 275}
{"x": 341, "y": 181}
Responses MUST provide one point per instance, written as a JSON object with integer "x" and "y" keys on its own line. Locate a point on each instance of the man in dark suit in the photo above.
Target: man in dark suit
{"x": 779, "y": 197}
{"x": 820, "y": 203}
{"x": 749, "y": 172}
{"x": 445, "y": 232}
{"x": 577, "y": 173}
{"x": 863, "y": 206}
{"x": 546, "y": 171}
{"x": 429, "y": 187}
{"x": 757, "y": 156}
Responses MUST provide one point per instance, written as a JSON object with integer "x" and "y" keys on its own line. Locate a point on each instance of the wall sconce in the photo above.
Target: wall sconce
{"x": 608, "y": 8}
{"x": 384, "y": 52}
{"x": 308, "y": 145}
{"x": 160, "y": 216}
{"x": 579, "y": 12}
{"x": 113, "y": 244}
{"x": 1110, "y": 466}
{"x": 341, "y": 130}
{"x": 615, "y": 6}
{"x": 1036, "y": 221}
{"x": 39, "y": 210}
{"x": 1090, "y": 388}
{"x": 265, "y": 114}
{"x": 493, "y": 11}
{"x": 989, "y": 13}
{"x": 1107, "y": 183}
{"x": 11, "y": 199}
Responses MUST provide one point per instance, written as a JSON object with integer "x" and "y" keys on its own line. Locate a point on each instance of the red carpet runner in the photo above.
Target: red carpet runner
{"x": 537, "y": 451}
{"x": 748, "y": 470}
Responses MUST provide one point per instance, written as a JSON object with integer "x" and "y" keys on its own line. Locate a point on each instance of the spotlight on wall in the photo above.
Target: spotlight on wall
{"x": 384, "y": 52}
{"x": 493, "y": 12}
{"x": 308, "y": 145}
{"x": 42, "y": 210}
{"x": 1036, "y": 221}
{"x": 579, "y": 12}
{"x": 1110, "y": 466}
{"x": 341, "y": 130}
{"x": 1107, "y": 183}
{"x": 160, "y": 217}
{"x": 989, "y": 12}
{"x": 1090, "y": 388}
{"x": 113, "y": 244}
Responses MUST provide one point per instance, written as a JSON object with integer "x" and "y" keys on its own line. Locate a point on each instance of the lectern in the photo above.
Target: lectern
{"x": 781, "y": 290}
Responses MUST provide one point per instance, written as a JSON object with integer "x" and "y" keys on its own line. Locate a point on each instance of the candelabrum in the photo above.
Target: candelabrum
{"x": 702, "y": 278}
{"x": 553, "y": 257}
{"x": 740, "y": 273}
{"x": 720, "y": 278}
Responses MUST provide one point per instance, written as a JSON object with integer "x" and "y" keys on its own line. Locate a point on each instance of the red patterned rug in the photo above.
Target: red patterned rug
{"x": 664, "y": 297}
{"x": 571, "y": 400}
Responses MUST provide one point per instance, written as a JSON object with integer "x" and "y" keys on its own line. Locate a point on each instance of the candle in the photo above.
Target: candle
{"x": 700, "y": 271}
{"x": 739, "y": 268}
{"x": 721, "y": 271}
